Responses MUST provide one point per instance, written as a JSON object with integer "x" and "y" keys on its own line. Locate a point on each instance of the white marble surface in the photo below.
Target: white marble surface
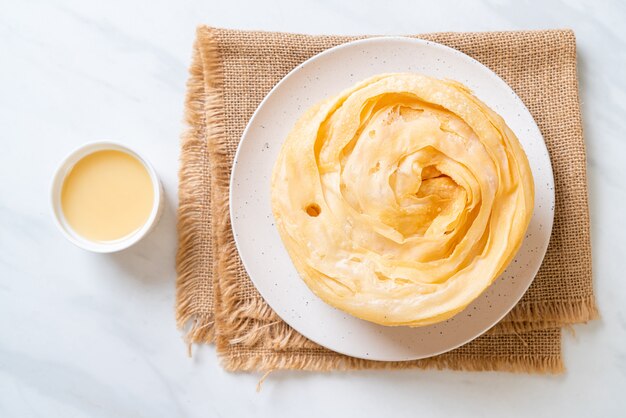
{"x": 94, "y": 335}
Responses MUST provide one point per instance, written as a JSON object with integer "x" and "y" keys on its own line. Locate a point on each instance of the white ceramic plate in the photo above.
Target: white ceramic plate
{"x": 261, "y": 248}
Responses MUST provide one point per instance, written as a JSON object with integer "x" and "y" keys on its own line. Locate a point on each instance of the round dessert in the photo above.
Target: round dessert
{"x": 401, "y": 199}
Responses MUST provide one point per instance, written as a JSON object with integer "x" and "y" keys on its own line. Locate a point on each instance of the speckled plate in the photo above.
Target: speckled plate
{"x": 261, "y": 248}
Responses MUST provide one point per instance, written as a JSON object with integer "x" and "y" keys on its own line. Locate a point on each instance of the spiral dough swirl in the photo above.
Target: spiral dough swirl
{"x": 402, "y": 198}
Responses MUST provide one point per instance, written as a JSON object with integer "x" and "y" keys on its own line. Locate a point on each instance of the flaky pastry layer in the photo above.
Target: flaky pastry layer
{"x": 401, "y": 199}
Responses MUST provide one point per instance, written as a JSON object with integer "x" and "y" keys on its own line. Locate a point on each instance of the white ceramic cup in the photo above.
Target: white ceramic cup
{"x": 103, "y": 246}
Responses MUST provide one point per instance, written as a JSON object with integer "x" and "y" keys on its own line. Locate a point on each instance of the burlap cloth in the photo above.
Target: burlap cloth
{"x": 230, "y": 74}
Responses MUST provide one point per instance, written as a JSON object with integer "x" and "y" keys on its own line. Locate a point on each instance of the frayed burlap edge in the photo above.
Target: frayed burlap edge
{"x": 559, "y": 312}
{"x": 204, "y": 118}
{"x": 306, "y": 362}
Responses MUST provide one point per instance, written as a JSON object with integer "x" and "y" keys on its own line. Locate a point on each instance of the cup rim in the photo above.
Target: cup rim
{"x": 64, "y": 168}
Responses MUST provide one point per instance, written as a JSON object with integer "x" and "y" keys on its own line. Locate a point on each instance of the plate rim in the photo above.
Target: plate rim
{"x": 407, "y": 39}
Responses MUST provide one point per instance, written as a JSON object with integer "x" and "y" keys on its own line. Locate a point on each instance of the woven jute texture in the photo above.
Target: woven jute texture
{"x": 217, "y": 303}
